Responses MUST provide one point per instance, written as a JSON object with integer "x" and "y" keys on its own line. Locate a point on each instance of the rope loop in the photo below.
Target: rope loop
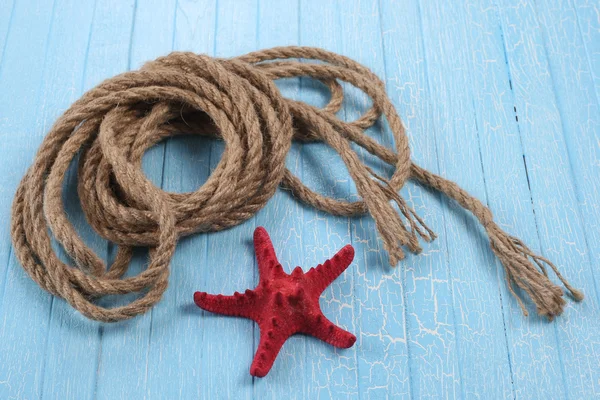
{"x": 111, "y": 126}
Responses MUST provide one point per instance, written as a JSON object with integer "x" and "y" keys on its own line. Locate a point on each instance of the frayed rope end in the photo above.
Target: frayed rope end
{"x": 524, "y": 268}
{"x": 528, "y": 271}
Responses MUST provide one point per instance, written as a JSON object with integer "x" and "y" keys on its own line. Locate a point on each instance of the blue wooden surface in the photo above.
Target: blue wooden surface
{"x": 498, "y": 95}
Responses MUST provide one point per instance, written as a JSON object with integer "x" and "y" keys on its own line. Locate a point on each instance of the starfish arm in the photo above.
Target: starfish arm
{"x": 268, "y": 265}
{"x": 325, "y": 330}
{"x": 239, "y": 305}
{"x": 271, "y": 341}
{"x": 324, "y": 274}
{"x": 283, "y": 304}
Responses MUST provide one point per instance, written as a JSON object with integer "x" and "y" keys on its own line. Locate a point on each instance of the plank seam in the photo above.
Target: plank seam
{"x": 349, "y": 229}
{"x": 587, "y": 52}
{"x": 572, "y": 174}
{"x": 301, "y": 158}
{"x": 43, "y": 369}
{"x": 254, "y": 260}
{"x": 535, "y": 216}
{"x": 351, "y": 274}
{"x": 100, "y": 330}
{"x": 203, "y": 313}
{"x": 134, "y": 14}
{"x": 495, "y": 261}
{"x": 44, "y": 66}
{"x": 486, "y": 201}
{"x": 109, "y": 245}
{"x": 403, "y": 275}
{"x": 10, "y": 253}
{"x": 8, "y": 29}
{"x": 444, "y": 207}
{"x": 162, "y": 182}
{"x": 10, "y": 247}
{"x": 173, "y": 38}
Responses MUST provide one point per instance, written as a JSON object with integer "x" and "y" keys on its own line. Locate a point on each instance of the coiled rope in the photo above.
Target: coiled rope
{"x": 112, "y": 125}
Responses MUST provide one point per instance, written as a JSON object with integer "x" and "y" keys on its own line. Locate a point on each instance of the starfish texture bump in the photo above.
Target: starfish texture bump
{"x": 283, "y": 304}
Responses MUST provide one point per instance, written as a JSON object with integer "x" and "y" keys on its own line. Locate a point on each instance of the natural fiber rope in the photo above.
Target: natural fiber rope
{"x": 112, "y": 126}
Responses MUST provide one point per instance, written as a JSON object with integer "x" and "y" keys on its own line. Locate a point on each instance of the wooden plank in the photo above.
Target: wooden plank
{"x": 283, "y": 216}
{"x": 229, "y": 258}
{"x": 433, "y": 356}
{"x": 329, "y": 372}
{"x": 532, "y": 346}
{"x": 432, "y": 327}
{"x": 543, "y": 127}
{"x": 476, "y": 300}
{"x": 24, "y": 308}
{"x": 107, "y": 55}
{"x": 588, "y": 24}
{"x": 177, "y": 364}
{"x": 573, "y": 79}
{"x": 575, "y": 84}
{"x": 124, "y": 360}
{"x": 7, "y": 9}
{"x": 67, "y": 51}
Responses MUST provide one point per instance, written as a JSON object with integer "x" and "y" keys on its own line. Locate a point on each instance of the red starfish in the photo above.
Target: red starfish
{"x": 283, "y": 304}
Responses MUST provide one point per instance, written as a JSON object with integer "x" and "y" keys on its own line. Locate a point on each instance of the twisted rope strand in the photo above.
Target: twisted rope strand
{"x": 236, "y": 100}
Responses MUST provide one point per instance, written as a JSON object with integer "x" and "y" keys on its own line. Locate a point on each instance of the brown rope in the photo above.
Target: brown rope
{"x": 112, "y": 126}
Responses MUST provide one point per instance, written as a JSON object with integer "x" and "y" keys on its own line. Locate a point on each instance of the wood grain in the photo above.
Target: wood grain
{"x": 498, "y": 95}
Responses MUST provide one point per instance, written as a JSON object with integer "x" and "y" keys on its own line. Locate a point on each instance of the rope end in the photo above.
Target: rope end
{"x": 577, "y": 295}
{"x": 528, "y": 271}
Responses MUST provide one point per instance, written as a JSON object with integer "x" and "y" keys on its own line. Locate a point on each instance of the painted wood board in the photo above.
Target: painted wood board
{"x": 500, "y": 96}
